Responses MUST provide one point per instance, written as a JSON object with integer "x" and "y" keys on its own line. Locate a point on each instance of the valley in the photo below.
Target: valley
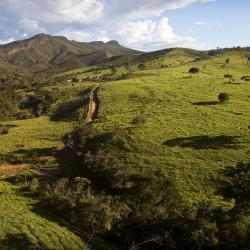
{"x": 133, "y": 147}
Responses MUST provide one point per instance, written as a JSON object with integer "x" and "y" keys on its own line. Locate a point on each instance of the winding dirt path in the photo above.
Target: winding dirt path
{"x": 93, "y": 106}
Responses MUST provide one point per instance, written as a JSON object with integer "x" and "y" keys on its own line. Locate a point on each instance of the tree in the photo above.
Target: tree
{"x": 227, "y": 60}
{"x": 113, "y": 70}
{"x": 223, "y": 97}
{"x": 194, "y": 70}
{"x": 142, "y": 66}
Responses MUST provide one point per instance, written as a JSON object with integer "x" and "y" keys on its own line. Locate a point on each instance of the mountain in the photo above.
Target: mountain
{"x": 43, "y": 52}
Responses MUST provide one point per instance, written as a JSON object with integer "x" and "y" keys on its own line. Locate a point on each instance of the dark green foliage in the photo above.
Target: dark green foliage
{"x": 194, "y": 70}
{"x": 223, "y": 97}
{"x": 75, "y": 79}
{"x": 142, "y": 66}
{"x": 238, "y": 185}
{"x": 113, "y": 70}
{"x": 4, "y": 130}
{"x": 38, "y": 103}
{"x": 227, "y": 60}
{"x": 8, "y": 103}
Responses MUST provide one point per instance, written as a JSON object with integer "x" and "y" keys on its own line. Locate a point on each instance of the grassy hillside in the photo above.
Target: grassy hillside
{"x": 23, "y": 227}
{"x": 44, "y": 52}
{"x": 186, "y": 133}
{"x": 157, "y": 150}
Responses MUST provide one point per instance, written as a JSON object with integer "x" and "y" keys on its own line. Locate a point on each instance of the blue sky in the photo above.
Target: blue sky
{"x": 226, "y": 23}
{"x": 141, "y": 24}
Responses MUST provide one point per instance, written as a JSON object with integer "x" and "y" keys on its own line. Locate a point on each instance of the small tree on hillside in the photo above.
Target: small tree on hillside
{"x": 223, "y": 97}
{"x": 142, "y": 66}
{"x": 227, "y": 60}
{"x": 113, "y": 70}
{"x": 194, "y": 70}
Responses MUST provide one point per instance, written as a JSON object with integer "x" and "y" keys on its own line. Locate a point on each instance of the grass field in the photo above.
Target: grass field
{"x": 186, "y": 134}
{"x": 23, "y": 227}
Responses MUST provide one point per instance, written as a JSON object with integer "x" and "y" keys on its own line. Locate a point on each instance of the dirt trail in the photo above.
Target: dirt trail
{"x": 93, "y": 106}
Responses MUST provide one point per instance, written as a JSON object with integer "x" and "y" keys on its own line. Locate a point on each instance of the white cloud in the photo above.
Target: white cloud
{"x": 85, "y": 20}
{"x": 75, "y": 35}
{"x": 58, "y": 11}
{"x": 134, "y": 9}
{"x": 9, "y": 40}
{"x": 30, "y": 26}
{"x": 199, "y": 23}
{"x": 152, "y": 35}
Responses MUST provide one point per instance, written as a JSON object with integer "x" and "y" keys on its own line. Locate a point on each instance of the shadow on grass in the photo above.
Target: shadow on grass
{"x": 212, "y": 103}
{"x": 27, "y": 156}
{"x": 205, "y": 142}
{"x": 20, "y": 241}
{"x": 69, "y": 110}
{"x": 232, "y": 83}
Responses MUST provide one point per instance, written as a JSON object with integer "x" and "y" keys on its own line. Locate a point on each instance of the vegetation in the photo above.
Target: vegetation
{"x": 223, "y": 97}
{"x": 194, "y": 70}
{"x": 161, "y": 167}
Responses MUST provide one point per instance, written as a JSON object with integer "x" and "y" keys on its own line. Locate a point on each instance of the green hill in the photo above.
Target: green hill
{"x": 44, "y": 51}
{"x": 163, "y": 165}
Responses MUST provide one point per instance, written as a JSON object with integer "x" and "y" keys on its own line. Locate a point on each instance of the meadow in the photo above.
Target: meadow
{"x": 174, "y": 128}
{"x": 187, "y": 134}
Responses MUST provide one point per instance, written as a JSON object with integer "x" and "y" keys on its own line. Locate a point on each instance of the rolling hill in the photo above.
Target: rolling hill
{"x": 43, "y": 52}
{"x": 161, "y": 158}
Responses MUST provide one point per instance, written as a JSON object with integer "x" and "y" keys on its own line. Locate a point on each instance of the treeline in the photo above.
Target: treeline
{"x": 14, "y": 103}
{"x": 10, "y": 82}
{"x": 105, "y": 197}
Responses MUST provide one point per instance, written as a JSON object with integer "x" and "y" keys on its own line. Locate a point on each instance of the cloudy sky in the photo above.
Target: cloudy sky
{"x": 139, "y": 24}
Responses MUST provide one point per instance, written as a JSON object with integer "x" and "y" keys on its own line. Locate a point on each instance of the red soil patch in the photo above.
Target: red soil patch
{"x": 14, "y": 167}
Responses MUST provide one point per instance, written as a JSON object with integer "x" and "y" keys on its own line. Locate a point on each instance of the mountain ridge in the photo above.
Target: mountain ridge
{"x": 42, "y": 52}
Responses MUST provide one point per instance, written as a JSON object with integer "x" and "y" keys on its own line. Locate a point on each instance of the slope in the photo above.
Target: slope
{"x": 44, "y": 51}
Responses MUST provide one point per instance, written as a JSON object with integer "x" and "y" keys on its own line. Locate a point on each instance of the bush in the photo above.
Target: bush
{"x": 228, "y": 76}
{"x": 223, "y": 97}
{"x": 142, "y": 66}
{"x": 194, "y": 70}
{"x": 4, "y": 130}
{"x": 227, "y": 60}
{"x": 39, "y": 103}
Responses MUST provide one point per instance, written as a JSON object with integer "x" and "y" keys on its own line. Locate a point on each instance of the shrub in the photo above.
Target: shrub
{"x": 75, "y": 79}
{"x": 194, "y": 70}
{"x": 223, "y": 97}
{"x": 39, "y": 103}
{"x": 227, "y": 60}
{"x": 113, "y": 70}
{"x": 228, "y": 76}
{"x": 4, "y": 130}
{"x": 142, "y": 66}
